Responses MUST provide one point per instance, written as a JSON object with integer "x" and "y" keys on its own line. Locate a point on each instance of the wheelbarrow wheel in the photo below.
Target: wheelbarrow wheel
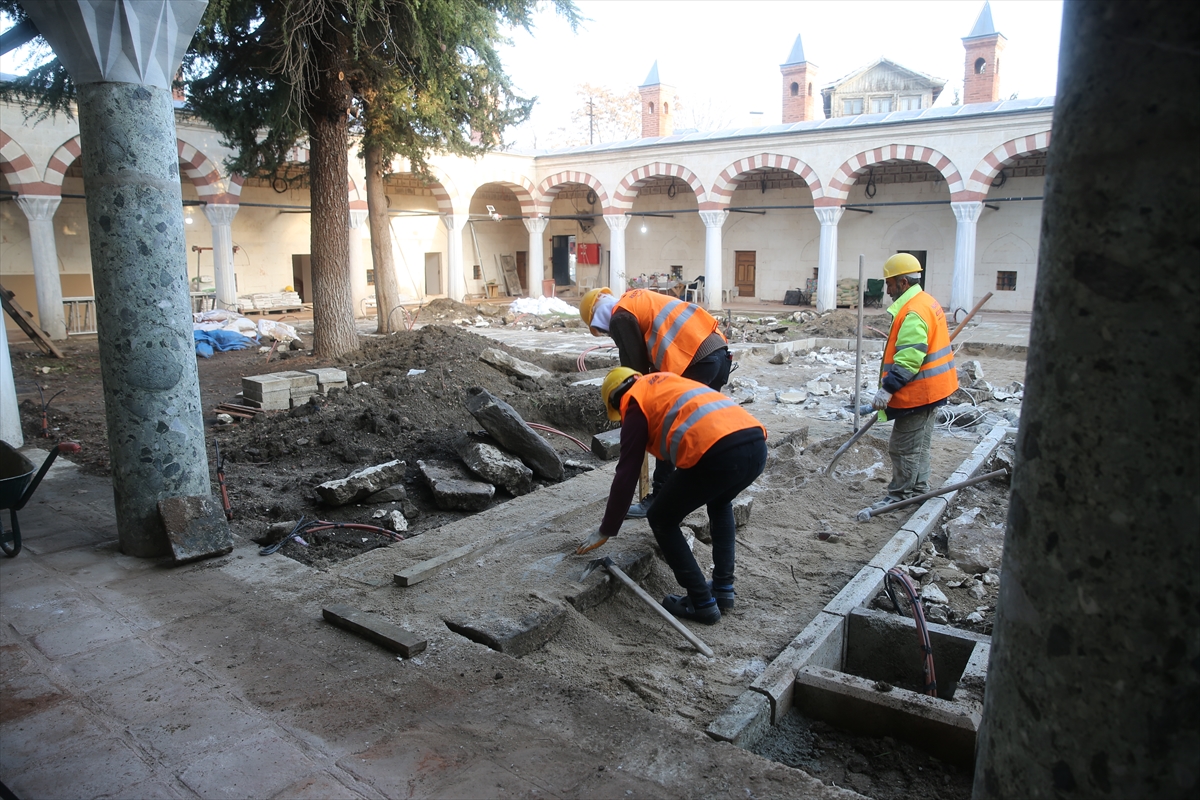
{"x": 10, "y": 540}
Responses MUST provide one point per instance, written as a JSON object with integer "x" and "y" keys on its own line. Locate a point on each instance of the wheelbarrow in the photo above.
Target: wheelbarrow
{"x": 17, "y": 483}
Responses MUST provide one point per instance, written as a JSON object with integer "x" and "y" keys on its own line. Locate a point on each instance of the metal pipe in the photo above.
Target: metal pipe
{"x": 858, "y": 349}
{"x": 867, "y": 513}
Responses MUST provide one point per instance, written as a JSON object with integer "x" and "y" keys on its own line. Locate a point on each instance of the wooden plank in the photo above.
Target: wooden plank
{"x": 511, "y": 277}
{"x": 376, "y": 629}
{"x": 430, "y": 567}
{"x": 24, "y": 320}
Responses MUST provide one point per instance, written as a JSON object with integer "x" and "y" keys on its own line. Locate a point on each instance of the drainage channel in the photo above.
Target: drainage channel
{"x": 849, "y": 666}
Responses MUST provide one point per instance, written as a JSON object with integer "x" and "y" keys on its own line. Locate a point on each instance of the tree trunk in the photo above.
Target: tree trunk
{"x": 387, "y": 291}
{"x": 333, "y": 304}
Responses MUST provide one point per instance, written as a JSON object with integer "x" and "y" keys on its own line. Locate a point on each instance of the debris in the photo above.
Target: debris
{"x": 512, "y": 365}
{"x": 932, "y": 593}
{"x": 361, "y": 484}
{"x": 607, "y": 445}
{"x": 791, "y": 398}
{"x": 506, "y": 427}
{"x": 196, "y": 527}
{"x": 970, "y": 375}
{"x": 392, "y": 494}
{"x": 782, "y": 357}
{"x": 976, "y": 549}
{"x": 376, "y": 629}
{"x": 494, "y": 465}
{"x": 453, "y": 489}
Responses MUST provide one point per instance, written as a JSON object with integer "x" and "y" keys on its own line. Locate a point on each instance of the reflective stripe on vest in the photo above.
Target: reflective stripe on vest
{"x": 685, "y": 418}
{"x": 936, "y": 379}
{"x": 673, "y": 329}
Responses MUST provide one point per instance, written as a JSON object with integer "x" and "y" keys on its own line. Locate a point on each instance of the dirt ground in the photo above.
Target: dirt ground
{"x": 787, "y": 569}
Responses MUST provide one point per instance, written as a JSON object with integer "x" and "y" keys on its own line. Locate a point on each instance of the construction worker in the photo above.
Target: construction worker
{"x": 718, "y": 449}
{"x": 658, "y": 333}
{"x": 917, "y": 375}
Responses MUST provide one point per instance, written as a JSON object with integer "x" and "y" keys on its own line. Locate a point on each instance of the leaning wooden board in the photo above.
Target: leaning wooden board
{"x": 25, "y": 321}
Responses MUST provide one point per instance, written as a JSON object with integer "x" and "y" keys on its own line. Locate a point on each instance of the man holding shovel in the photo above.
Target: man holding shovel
{"x": 717, "y": 449}
{"x": 657, "y": 333}
{"x": 917, "y": 375}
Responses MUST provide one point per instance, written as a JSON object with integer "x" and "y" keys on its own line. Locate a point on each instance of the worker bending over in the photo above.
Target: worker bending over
{"x": 917, "y": 375}
{"x": 658, "y": 333}
{"x": 719, "y": 450}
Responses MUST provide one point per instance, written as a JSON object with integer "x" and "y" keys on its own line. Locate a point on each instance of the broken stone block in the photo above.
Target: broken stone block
{"x": 506, "y": 426}
{"x": 361, "y": 484}
{"x": 742, "y": 505}
{"x": 494, "y": 465}
{"x": 607, "y": 445}
{"x": 970, "y": 375}
{"x": 782, "y": 357}
{"x": 933, "y": 593}
{"x": 512, "y": 365}
{"x": 453, "y": 489}
{"x": 791, "y": 398}
{"x": 516, "y": 637}
{"x": 196, "y": 527}
{"x": 975, "y": 549}
{"x": 396, "y": 521}
{"x": 392, "y": 494}
{"x": 819, "y": 388}
{"x": 697, "y": 521}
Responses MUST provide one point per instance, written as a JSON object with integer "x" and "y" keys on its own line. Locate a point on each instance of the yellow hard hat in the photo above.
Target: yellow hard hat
{"x": 588, "y": 304}
{"x": 901, "y": 264}
{"x": 612, "y": 380}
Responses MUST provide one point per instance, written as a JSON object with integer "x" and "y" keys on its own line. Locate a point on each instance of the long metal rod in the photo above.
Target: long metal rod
{"x": 662, "y": 612}
{"x": 866, "y": 427}
{"x": 867, "y": 513}
{"x": 862, "y": 260}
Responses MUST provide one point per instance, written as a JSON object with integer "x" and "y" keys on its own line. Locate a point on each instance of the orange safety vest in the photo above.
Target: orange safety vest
{"x": 937, "y": 378}
{"x": 674, "y": 329}
{"x": 685, "y": 418}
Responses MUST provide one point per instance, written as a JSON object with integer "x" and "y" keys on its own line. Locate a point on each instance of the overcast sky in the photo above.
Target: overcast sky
{"x": 723, "y": 56}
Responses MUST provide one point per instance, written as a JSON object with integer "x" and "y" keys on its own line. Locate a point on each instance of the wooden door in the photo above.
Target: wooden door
{"x": 523, "y": 269}
{"x": 433, "y": 273}
{"x": 743, "y": 272}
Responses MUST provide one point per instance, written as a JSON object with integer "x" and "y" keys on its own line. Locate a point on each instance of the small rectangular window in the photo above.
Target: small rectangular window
{"x": 881, "y": 105}
{"x": 852, "y": 106}
{"x": 370, "y": 277}
{"x": 910, "y": 103}
{"x": 1006, "y": 281}
{"x": 477, "y": 272}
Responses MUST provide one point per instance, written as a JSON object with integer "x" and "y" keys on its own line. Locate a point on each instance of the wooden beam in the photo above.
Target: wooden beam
{"x": 24, "y": 320}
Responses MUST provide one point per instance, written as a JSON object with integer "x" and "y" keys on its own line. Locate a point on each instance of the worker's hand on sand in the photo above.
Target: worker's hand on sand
{"x": 593, "y": 541}
{"x": 881, "y": 400}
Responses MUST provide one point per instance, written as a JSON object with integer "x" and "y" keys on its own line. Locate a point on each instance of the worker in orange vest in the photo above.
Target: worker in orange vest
{"x": 917, "y": 375}
{"x": 718, "y": 448}
{"x": 658, "y": 333}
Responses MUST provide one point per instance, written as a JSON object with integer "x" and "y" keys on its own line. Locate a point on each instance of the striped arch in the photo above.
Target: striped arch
{"x": 61, "y": 161}
{"x": 843, "y": 178}
{"x": 627, "y": 190}
{"x": 18, "y": 167}
{"x": 723, "y": 187}
{"x": 203, "y": 173}
{"x": 989, "y": 167}
{"x": 519, "y": 185}
{"x": 549, "y": 188}
{"x": 358, "y": 200}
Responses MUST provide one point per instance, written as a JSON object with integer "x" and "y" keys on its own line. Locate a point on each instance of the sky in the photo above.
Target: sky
{"x": 723, "y": 56}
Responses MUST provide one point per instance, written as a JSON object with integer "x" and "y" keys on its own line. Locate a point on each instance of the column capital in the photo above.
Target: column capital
{"x": 39, "y": 206}
{"x": 535, "y": 224}
{"x": 713, "y": 219}
{"x": 829, "y": 215}
{"x": 454, "y": 222}
{"x": 220, "y": 213}
{"x": 616, "y": 222}
{"x": 967, "y": 211}
{"x": 357, "y": 217}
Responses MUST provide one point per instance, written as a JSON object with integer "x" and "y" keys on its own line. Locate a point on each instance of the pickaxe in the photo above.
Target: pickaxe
{"x": 620, "y": 575}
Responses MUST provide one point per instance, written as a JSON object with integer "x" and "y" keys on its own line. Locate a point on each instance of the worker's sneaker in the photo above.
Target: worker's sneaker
{"x": 725, "y": 595}
{"x": 884, "y": 501}
{"x": 680, "y": 605}
{"x": 640, "y": 510}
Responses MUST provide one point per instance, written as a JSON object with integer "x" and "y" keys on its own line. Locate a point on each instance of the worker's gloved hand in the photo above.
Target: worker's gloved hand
{"x": 593, "y": 541}
{"x": 881, "y": 400}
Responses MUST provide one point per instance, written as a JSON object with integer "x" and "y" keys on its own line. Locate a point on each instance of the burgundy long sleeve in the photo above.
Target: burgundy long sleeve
{"x": 634, "y": 435}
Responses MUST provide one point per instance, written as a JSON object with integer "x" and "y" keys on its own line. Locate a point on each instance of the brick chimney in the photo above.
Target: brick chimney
{"x": 981, "y": 79}
{"x": 799, "y": 75}
{"x": 658, "y": 106}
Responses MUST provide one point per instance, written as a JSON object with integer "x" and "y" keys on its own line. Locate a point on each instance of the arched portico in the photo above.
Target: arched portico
{"x": 981, "y": 178}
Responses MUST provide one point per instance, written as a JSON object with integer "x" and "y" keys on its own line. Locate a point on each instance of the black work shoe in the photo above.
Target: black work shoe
{"x": 680, "y": 605}
{"x": 640, "y": 510}
{"x": 724, "y": 595}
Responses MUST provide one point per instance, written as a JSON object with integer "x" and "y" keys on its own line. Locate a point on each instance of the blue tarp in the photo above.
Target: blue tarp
{"x": 208, "y": 341}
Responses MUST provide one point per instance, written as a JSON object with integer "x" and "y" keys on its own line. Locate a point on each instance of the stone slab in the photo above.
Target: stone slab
{"x": 494, "y": 465}
{"x": 376, "y": 629}
{"x": 606, "y": 446}
{"x": 362, "y": 484}
{"x": 512, "y": 365}
{"x": 744, "y": 722}
{"x": 599, "y": 585}
{"x": 514, "y": 637}
{"x": 196, "y": 527}
{"x": 329, "y": 378}
{"x": 508, "y": 428}
{"x": 453, "y": 489}
{"x": 298, "y": 381}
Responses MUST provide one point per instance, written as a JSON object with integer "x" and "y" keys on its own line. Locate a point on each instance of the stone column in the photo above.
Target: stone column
{"x": 122, "y": 57}
{"x": 456, "y": 279}
{"x": 713, "y": 274}
{"x": 220, "y": 217}
{"x": 617, "y": 281}
{"x": 962, "y": 293}
{"x": 535, "y": 266}
{"x": 827, "y": 257}
{"x": 39, "y": 210}
{"x": 358, "y": 265}
{"x": 1093, "y": 680}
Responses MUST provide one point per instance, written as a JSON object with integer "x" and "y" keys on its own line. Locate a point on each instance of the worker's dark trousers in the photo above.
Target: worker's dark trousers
{"x": 713, "y": 372}
{"x": 715, "y": 480}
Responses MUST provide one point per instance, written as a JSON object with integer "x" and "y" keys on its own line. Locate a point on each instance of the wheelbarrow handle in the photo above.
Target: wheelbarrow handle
{"x": 61, "y": 447}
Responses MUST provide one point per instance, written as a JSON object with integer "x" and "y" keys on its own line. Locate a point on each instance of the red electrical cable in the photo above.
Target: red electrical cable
{"x": 539, "y": 427}
{"x": 922, "y": 629}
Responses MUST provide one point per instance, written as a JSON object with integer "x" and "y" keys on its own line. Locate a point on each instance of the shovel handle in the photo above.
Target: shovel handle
{"x": 676, "y": 624}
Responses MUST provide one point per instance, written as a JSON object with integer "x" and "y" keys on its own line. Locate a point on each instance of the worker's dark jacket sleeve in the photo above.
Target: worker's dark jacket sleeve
{"x": 634, "y": 432}
{"x": 631, "y": 344}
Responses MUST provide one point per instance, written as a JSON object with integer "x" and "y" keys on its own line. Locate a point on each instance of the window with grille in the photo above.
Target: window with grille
{"x": 852, "y": 106}
{"x": 1006, "y": 281}
{"x": 370, "y": 277}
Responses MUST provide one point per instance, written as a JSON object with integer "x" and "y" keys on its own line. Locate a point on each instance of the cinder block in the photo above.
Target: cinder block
{"x": 299, "y": 381}
{"x": 329, "y": 378}
{"x": 607, "y": 445}
{"x": 259, "y": 386}
{"x": 819, "y": 643}
{"x": 274, "y": 403}
{"x": 744, "y": 722}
